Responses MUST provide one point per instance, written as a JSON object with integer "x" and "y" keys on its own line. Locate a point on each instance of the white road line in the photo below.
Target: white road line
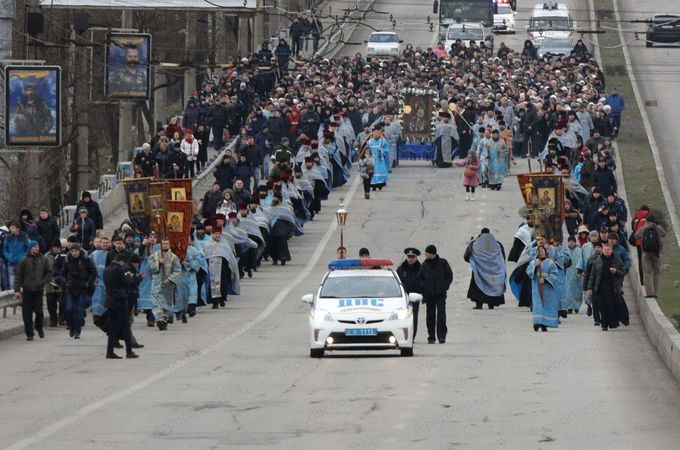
{"x": 96, "y": 405}
{"x": 672, "y": 212}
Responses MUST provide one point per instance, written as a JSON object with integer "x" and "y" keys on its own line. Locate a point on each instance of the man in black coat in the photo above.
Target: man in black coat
{"x": 47, "y": 227}
{"x": 30, "y": 277}
{"x": 218, "y": 121}
{"x": 436, "y": 275}
{"x": 93, "y": 211}
{"x": 604, "y": 179}
{"x": 408, "y": 274}
{"x": 78, "y": 275}
{"x": 116, "y": 285}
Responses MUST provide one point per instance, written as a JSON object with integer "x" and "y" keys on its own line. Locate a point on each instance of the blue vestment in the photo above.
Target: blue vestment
{"x": 544, "y": 302}
{"x": 573, "y": 283}
{"x": 98, "y": 258}
{"x": 380, "y": 149}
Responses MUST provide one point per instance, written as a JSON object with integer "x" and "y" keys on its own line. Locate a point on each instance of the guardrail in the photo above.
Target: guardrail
{"x": 7, "y": 300}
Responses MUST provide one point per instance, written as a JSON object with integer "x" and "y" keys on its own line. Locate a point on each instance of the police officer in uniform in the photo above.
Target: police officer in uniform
{"x": 408, "y": 274}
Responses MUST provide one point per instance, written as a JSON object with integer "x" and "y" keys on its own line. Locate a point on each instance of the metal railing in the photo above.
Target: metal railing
{"x": 7, "y": 300}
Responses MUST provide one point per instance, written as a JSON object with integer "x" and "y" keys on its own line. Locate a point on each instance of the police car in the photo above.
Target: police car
{"x": 360, "y": 305}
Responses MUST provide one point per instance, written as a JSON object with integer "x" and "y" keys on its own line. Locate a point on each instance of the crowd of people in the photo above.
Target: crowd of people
{"x": 299, "y": 131}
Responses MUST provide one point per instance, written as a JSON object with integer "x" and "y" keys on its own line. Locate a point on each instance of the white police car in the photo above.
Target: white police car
{"x": 360, "y": 305}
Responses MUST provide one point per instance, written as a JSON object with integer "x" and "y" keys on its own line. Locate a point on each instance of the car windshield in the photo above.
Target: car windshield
{"x": 557, "y": 43}
{"x": 667, "y": 21}
{"x": 465, "y": 34}
{"x": 550, "y": 23}
{"x": 504, "y": 9}
{"x": 384, "y": 38}
{"x": 360, "y": 287}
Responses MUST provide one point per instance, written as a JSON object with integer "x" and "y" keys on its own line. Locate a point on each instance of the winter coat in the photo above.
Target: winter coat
{"x": 243, "y": 171}
{"x": 211, "y": 200}
{"x": 408, "y": 274}
{"x": 93, "y": 212}
{"x": 587, "y": 172}
{"x": 116, "y": 286}
{"x": 639, "y": 221}
{"x": 253, "y": 156}
{"x": 34, "y": 235}
{"x": 605, "y": 181}
{"x": 469, "y": 181}
{"x": 242, "y": 197}
{"x": 190, "y": 118}
{"x": 224, "y": 176}
{"x": 32, "y": 273}
{"x": 78, "y": 274}
{"x": 85, "y": 230}
{"x": 48, "y": 229}
{"x": 14, "y": 248}
{"x": 436, "y": 276}
{"x": 596, "y": 273}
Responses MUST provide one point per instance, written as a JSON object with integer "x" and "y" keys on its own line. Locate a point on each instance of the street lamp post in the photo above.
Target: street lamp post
{"x": 341, "y": 216}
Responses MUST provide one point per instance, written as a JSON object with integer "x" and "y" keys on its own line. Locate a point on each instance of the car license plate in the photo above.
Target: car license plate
{"x": 361, "y": 332}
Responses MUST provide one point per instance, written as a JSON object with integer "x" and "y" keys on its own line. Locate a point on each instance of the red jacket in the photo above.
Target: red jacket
{"x": 294, "y": 118}
{"x": 639, "y": 221}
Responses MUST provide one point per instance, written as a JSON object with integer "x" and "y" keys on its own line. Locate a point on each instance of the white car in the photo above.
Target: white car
{"x": 504, "y": 20}
{"x": 466, "y": 32}
{"x": 383, "y": 43}
{"x": 360, "y": 305}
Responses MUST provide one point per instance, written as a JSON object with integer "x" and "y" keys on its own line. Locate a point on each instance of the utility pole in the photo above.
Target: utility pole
{"x": 82, "y": 97}
{"x": 126, "y": 133}
{"x": 7, "y": 14}
{"x": 189, "y": 52}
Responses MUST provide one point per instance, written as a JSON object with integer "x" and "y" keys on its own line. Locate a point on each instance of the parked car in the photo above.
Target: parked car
{"x": 665, "y": 28}
{"x": 467, "y": 32}
{"x": 383, "y": 43}
{"x": 504, "y": 19}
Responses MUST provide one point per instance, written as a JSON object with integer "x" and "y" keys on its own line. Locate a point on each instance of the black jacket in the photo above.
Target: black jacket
{"x": 93, "y": 212}
{"x": 116, "y": 286}
{"x": 134, "y": 279}
{"x": 211, "y": 200}
{"x": 78, "y": 274}
{"x": 436, "y": 276}
{"x": 596, "y": 274}
{"x": 224, "y": 176}
{"x": 605, "y": 181}
{"x": 32, "y": 273}
{"x": 408, "y": 274}
{"x": 49, "y": 230}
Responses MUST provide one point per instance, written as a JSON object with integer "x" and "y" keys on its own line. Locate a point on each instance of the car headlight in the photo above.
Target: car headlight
{"x": 401, "y": 314}
{"x": 320, "y": 315}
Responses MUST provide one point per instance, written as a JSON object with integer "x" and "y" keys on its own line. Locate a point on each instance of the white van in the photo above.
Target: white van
{"x": 550, "y": 20}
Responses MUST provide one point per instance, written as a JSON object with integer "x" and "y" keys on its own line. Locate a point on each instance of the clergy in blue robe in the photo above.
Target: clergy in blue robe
{"x": 560, "y": 256}
{"x": 573, "y": 283}
{"x": 221, "y": 269}
{"x": 497, "y": 153}
{"x": 166, "y": 272}
{"x": 98, "y": 258}
{"x": 544, "y": 302}
{"x": 380, "y": 149}
{"x": 187, "y": 289}
{"x": 486, "y": 257}
{"x": 394, "y": 135}
{"x": 587, "y": 251}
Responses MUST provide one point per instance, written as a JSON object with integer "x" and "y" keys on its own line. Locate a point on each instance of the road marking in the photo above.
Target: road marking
{"x": 85, "y": 411}
{"x": 648, "y": 127}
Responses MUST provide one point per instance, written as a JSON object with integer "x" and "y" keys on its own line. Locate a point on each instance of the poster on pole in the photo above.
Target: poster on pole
{"x": 127, "y": 65}
{"x": 33, "y": 106}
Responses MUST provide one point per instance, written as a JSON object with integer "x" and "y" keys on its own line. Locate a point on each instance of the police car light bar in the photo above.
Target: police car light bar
{"x": 361, "y": 262}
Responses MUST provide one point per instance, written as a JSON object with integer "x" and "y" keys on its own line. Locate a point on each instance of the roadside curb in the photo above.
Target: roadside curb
{"x": 660, "y": 330}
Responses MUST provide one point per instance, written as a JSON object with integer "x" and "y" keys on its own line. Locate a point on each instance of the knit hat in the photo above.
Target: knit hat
{"x": 431, "y": 249}
{"x": 33, "y": 243}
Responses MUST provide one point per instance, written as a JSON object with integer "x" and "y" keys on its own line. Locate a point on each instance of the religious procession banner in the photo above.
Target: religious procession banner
{"x": 137, "y": 198}
{"x": 157, "y": 199}
{"x": 177, "y": 221}
{"x": 416, "y": 114}
{"x": 178, "y": 189}
{"x": 544, "y": 199}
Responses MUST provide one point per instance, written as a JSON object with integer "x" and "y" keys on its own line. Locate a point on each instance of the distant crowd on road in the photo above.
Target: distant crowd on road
{"x": 300, "y": 129}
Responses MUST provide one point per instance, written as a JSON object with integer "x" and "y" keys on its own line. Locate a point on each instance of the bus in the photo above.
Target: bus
{"x": 459, "y": 11}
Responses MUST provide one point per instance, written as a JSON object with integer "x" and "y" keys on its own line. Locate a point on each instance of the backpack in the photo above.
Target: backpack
{"x": 650, "y": 241}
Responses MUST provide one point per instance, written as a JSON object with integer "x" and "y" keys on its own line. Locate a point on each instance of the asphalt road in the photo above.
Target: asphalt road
{"x": 657, "y": 71}
{"x": 241, "y": 377}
